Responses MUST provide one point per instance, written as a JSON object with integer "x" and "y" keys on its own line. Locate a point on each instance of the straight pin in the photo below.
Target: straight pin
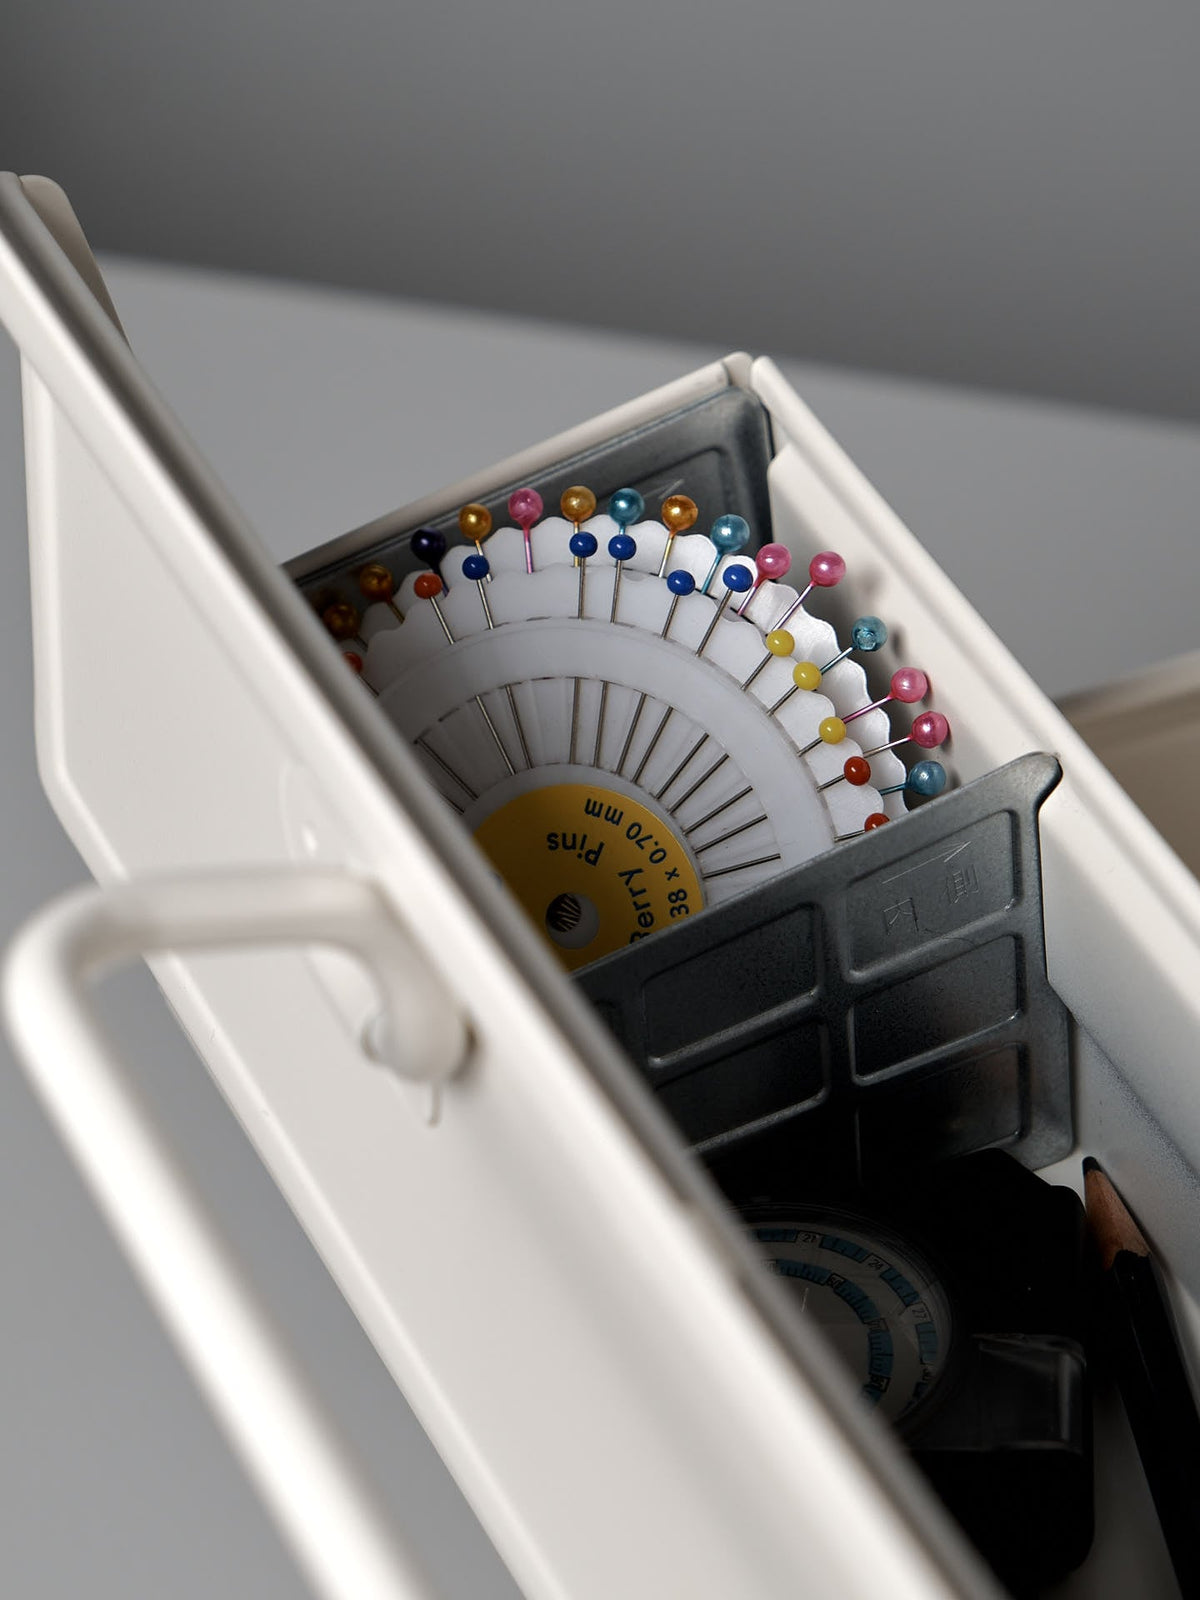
{"x": 582, "y": 546}
{"x": 476, "y": 568}
{"x": 742, "y": 866}
{"x": 711, "y": 816}
{"x": 830, "y": 730}
{"x": 779, "y": 643}
{"x": 356, "y": 664}
{"x": 679, "y": 583}
{"x": 525, "y": 507}
{"x": 867, "y": 634}
{"x": 475, "y": 523}
{"x": 625, "y": 507}
{"x": 423, "y": 744}
{"x": 622, "y": 547}
{"x": 773, "y": 561}
{"x": 908, "y": 685}
{"x": 927, "y": 778}
{"x": 928, "y": 731}
{"x": 678, "y": 514}
{"x": 342, "y": 621}
{"x": 729, "y": 534}
{"x": 701, "y": 781}
{"x": 654, "y": 738}
{"x": 855, "y": 771}
{"x": 429, "y": 546}
{"x": 378, "y": 585}
{"x": 876, "y": 820}
{"x": 736, "y": 580}
{"x": 731, "y": 833}
{"x": 682, "y": 767}
{"x": 806, "y": 675}
{"x": 825, "y": 571}
{"x": 577, "y": 504}
{"x": 427, "y": 587}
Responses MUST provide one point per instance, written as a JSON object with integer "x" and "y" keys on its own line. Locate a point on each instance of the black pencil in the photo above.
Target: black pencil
{"x": 1150, "y": 1371}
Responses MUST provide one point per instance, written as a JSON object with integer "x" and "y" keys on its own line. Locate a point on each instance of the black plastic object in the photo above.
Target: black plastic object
{"x": 880, "y": 1008}
{"x": 717, "y": 450}
{"x": 1004, "y": 1431}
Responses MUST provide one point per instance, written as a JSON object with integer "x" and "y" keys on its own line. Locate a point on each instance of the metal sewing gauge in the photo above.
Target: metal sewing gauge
{"x": 411, "y": 1055}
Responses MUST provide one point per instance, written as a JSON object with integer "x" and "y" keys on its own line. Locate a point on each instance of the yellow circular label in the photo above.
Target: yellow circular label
{"x": 595, "y": 870}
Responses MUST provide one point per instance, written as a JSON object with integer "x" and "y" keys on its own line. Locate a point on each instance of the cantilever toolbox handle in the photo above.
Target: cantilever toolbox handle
{"x": 303, "y": 1469}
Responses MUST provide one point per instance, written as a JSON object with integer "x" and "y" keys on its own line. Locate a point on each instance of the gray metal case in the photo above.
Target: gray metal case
{"x": 879, "y": 1008}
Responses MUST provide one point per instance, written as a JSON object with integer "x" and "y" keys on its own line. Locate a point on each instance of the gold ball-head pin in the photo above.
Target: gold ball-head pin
{"x": 341, "y": 619}
{"x": 378, "y": 586}
{"x": 578, "y": 503}
{"x": 376, "y": 582}
{"x": 475, "y": 522}
{"x": 679, "y": 513}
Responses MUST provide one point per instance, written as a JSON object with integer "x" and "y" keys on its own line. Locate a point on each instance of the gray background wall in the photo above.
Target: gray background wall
{"x": 1003, "y": 195}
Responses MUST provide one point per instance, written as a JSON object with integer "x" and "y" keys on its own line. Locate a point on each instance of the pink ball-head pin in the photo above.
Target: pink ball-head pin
{"x": 909, "y": 684}
{"x": 773, "y": 562}
{"x": 929, "y": 730}
{"x": 825, "y": 570}
{"x": 525, "y": 507}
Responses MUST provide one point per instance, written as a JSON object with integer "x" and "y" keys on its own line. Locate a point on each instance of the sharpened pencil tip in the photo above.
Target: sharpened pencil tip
{"x": 1109, "y": 1217}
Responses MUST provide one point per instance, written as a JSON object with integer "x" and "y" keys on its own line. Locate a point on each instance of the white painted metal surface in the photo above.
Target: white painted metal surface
{"x": 621, "y": 1427}
{"x": 611, "y": 1399}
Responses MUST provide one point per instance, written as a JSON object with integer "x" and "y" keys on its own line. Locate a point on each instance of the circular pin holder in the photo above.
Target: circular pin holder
{"x": 635, "y": 721}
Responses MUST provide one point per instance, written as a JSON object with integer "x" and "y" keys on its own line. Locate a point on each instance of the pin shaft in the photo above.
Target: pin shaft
{"x": 645, "y": 694}
{"x": 702, "y": 780}
{"x": 731, "y": 833}
{"x": 711, "y": 816}
{"x": 423, "y": 744}
{"x": 658, "y": 793}
{"x": 742, "y": 866}
{"x": 581, "y": 563}
{"x": 653, "y": 745}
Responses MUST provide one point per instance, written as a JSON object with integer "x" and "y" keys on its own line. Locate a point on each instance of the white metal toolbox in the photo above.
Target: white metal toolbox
{"x": 618, "y": 1429}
